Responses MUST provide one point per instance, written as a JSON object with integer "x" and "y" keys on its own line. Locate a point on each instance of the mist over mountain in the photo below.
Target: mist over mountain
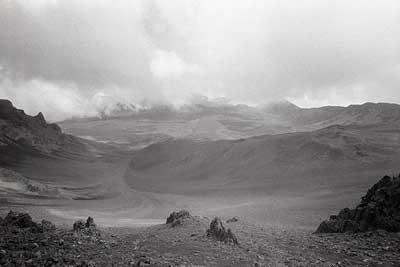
{"x": 220, "y": 119}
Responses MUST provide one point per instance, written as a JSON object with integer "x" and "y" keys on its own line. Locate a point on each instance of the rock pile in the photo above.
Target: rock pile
{"x": 379, "y": 209}
{"x": 88, "y": 227}
{"x": 218, "y": 232}
{"x": 24, "y": 242}
{"x": 17, "y": 220}
{"x": 178, "y": 218}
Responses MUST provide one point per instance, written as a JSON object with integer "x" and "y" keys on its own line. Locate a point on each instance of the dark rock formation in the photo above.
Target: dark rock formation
{"x": 177, "y": 218}
{"x": 218, "y": 232}
{"x": 6, "y": 108}
{"x": 79, "y": 225}
{"x": 90, "y": 223}
{"x": 88, "y": 227}
{"x": 19, "y": 130}
{"x": 19, "y": 220}
{"x": 379, "y": 209}
{"x": 24, "y": 242}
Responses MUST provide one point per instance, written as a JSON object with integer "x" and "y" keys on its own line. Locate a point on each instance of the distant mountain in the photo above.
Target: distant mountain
{"x": 121, "y": 110}
{"x": 209, "y": 119}
{"x": 317, "y": 118}
{"x": 278, "y": 113}
{"x": 19, "y": 131}
{"x": 282, "y": 107}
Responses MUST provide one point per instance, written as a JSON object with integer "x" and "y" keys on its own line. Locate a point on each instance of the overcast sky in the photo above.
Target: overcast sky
{"x": 69, "y": 57}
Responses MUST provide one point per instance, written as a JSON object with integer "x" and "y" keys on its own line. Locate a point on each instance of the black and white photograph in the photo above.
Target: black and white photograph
{"x": 197, "y": 133}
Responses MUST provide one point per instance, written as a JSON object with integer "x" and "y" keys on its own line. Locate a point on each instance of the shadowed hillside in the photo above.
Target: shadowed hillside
{"x": 21, "y": 134}
{"x": 327, "y": 158}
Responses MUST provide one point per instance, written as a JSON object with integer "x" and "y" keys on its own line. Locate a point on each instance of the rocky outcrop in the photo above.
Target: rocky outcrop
{"x": 86, "y": 228}
{"x": 24, "y": 242}
{"x": 18, "y": 220}
{"x": 21, "y": 130}
{"x": 379, "y": 209}
{"x": 178, "y": 218}
{"x": 218, "y": 232}
{"x": 90, "y": 223}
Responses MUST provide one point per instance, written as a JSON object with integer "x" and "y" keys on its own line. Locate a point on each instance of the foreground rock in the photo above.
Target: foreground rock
{"x": 178, "y": 218}
{"x": 19, "y": 220}
{"x": 24, "y": 242}
{"x": 162, "y": 245}
{"x": 23, "y": 221}
{"x": 153, "y": 246}
{"x": 87, "y": 227}
{"x": 218, "y": 232}
{"x": 379, "y": 209}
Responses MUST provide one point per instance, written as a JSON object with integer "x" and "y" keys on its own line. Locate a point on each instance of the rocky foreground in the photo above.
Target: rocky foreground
{"x": 187, "y": 240}
{"x": 379, "y": 209}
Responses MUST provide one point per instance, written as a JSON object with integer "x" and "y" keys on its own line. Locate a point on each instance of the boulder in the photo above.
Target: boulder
{"x": 79, "y": 225}
{"x": 379, "y": 209}
{"x": 86, "y": 228}
{"x": 177, "y": 218}
{"x": 218, "y": 232}
{"x": 19, "y": 220}
{"x": 90, "y": 223}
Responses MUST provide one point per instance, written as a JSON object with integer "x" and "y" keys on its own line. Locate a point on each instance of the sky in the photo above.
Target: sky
{"x": 70, "y": 58}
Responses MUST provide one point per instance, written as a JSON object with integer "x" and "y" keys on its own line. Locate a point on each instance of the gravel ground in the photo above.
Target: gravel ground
{"x": 188, "y": 245}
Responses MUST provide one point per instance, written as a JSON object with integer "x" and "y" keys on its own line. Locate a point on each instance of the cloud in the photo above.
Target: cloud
{"x": 55, "y": 101}
{"x": 313, "y": 52}
{"x": 167, "y": 64}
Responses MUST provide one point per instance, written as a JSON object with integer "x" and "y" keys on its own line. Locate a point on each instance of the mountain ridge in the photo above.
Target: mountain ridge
{"x": 18, "y": 130}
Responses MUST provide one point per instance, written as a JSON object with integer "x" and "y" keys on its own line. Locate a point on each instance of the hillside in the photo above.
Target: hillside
{"x": 326, "y": 158}
{"x": 316, "y": 118}
{"x": 39, "y": 163}
{"x": 21, "y": 131}
{"x": 213, "y": 120}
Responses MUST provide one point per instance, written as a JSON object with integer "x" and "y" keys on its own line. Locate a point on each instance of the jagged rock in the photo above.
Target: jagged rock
{"x": 19, "y": 220}
{"x": 40, "y": 119}
{"x": 177, "y": 218}
{"x": 232, "y": 220}
{"x": 87, "y": 228}
{"x": 379, "y": 209}
{"x": 90, "y": 223}
{"x": 218, "y": 231}
{"x": 79, "y": 225}
{"x": 47, "y": 225}
{"x": 18, "y": 129}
